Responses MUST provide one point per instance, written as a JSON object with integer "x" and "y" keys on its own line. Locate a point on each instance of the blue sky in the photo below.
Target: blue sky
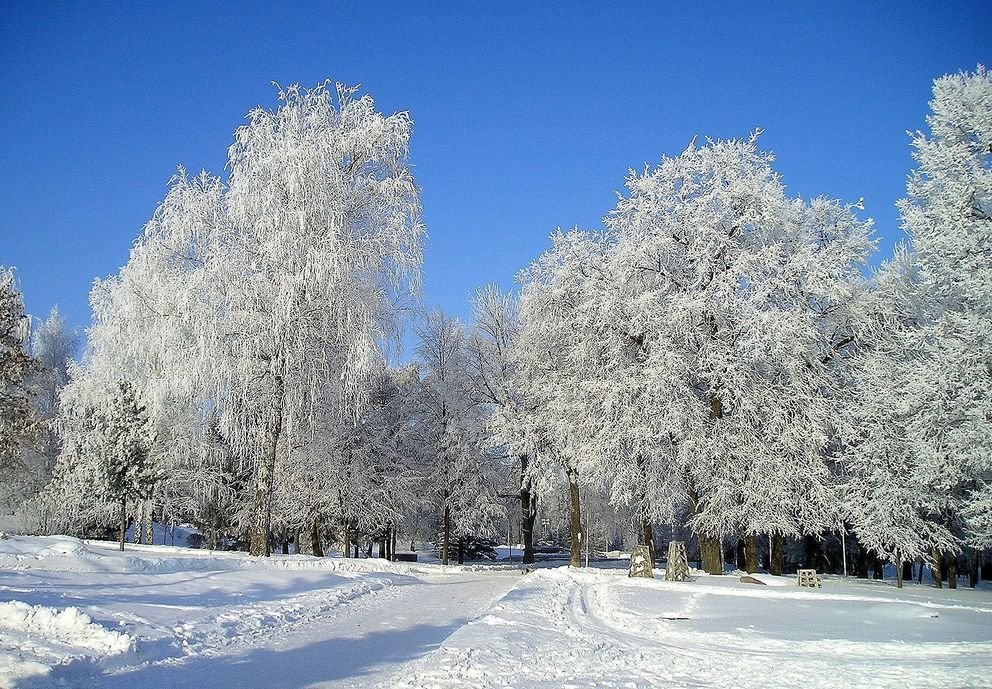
{"x": 527, "y": 115}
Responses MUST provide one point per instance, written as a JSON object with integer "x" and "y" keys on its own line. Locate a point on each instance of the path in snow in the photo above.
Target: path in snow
{"x": 362, "y": 644}
{"x": 225, "y": 620}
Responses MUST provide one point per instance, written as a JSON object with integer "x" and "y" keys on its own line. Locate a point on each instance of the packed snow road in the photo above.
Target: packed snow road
{"x": 75, "y": 614}
{"x": 170, "y": 617}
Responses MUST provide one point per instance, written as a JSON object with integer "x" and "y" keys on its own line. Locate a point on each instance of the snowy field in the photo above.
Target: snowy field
{"x": 80, "y": 614}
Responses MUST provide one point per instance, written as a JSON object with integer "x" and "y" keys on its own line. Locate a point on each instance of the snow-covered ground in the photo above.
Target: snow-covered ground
{"x": 80, "y": 614}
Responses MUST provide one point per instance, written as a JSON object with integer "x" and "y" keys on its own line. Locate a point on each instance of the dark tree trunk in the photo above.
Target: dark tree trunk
{"x": 907, "y": 571}
{"x": 751, "y": 553}
{"x": 575, "y": 522}
{"x": 937, "y": 575}
{"x": 710, "y": 548}
{"x": 952, "y": 572}
{"x": 861, "y": 562}
{"x": 740, "y": 555}
{"x": 318, "y": 549}
{"x": 265, "y": 473}
{"x": 285, "y": 547}
{"x": 383, "y": 537}
{"x": 296, "y": 541}
{"x": 775, "y": 558}
{"x": 392, "y": 545}
{"x": 368, "y": 552}
{"x": 647, "y": 531}
{"x": 447, "y": 534}
{"x": 900, "y": 571}
{"x": 877, "y": 567}
{"x": 347, "y": 539}
{"x": 123, "y": 521}
{"x": 919, "y": 570}
{"x": 528, "y": 511}
{"x": 461, "y": 550}
{"x": 973, "y": 569}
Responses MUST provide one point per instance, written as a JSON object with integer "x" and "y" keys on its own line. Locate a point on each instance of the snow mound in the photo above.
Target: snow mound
{"x": 35, "y": 638}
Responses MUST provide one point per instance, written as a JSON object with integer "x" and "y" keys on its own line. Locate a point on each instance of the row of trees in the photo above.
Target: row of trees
{"x": 714, "y": 359}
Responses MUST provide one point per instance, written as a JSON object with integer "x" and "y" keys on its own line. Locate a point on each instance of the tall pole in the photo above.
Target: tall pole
{"x": 843, "y": 545}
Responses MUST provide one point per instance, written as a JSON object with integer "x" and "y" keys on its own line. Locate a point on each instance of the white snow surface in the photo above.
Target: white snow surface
{"x": 79, "y": 614}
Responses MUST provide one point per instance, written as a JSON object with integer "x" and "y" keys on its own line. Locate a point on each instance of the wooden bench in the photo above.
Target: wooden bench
{"x": 808, "y": 578}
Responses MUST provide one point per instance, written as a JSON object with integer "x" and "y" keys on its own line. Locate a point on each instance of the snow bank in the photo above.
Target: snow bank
{"x": 35, "y": 638}
{"x": 68, "y": 554}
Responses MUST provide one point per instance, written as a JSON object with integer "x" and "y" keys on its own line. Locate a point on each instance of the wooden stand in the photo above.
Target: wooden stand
{"x": 678, "y": 562}
{"x": 808, "y": 578}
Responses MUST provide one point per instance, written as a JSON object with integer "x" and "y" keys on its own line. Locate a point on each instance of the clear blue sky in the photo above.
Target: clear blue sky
{"x": 527, "y": 115}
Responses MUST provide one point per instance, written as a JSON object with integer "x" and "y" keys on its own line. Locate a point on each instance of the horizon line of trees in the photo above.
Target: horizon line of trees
{"x": 713, "y": 363}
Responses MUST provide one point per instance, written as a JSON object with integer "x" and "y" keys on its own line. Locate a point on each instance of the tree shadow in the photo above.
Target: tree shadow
{"x": 266, "y": 668}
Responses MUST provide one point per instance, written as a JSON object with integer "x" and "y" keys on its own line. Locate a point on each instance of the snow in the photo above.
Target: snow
{"x": 80, "y": 614}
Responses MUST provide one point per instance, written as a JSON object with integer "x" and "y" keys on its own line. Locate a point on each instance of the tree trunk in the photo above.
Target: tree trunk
{"x": 123, "y": 521}
{"x": 919, "y": 570}
{"x": 285, "y": 546}
{"x": 973, "y": 569}
{"x": 751, "y": 553}
{"x": 346, "y": 536}
{"x": 937, "y": 575}
{"x": 528, "y": 511}
{"x": 907, "y": 571}
{"x": 315, "y": 544}
{"x": 647, "y": 530}
{"x": 900, "y": 571}
{"x": 710, "y": 548}
{"x": 952, "y": 572}
{"x": 383, "y": 537}
{"x": 775, "y": 557}
{"x": 296, "y": 541}
{"x": 461, "y": 550}
{"x": 861, "y": 562}
{"x": 447, "y": 533}
{"x": 575, "y": 522}
{"x": 149, "y": 531}
{"x": 265, "y": 471}
{"x": 139, "y": 522}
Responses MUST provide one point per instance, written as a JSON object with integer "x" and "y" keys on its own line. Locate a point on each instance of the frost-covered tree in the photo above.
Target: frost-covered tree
{"x": 266, "y": 298}
{"x": 921, "y": 455}
{"x": 495, "y": 379}
{"x": 104, "y": 464}
{"x": 458, "y": 480}
{"x": 17, "y": 367}
{"x": 552, "y": 374}
{"x": 54, "y": 345}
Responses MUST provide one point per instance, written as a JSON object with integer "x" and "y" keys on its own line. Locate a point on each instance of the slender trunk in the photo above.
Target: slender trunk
{"x": 575, "y": 522}
{"x": 973, "y": 569}
{"x": 751, "y": 553}
{"x": 647, "y": 531}
{"x": 265, "y": 471}
{"x": 346, "y": 548}
{"x": 775, "y": 557}
{"x": 315, "y": 544}
{"x": 392, "y": 545}
{"x": 709, "y": 546}
{"x": 447, "y": 533}
{"x": 937, "y": 576}
{"x": 952, "y": 572}
{"x": 383, "y": 538}
{"x": 296, "y": 541}
{"x": 919, "y": 570}
{"x": 900, "y": 571}
{"x": 149, "y": 532}
{"x": 123, "y": 521}
{"x": 461, "y": 550}
{"x": 285, "y": 546}
{"x": 139, "y": 521}
{"x": 528, "y": 511}
{"x": 907, "y": 571}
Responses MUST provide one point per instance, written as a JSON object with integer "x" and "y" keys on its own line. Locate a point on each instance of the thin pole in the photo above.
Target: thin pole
{"x": 843, "y": 545}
